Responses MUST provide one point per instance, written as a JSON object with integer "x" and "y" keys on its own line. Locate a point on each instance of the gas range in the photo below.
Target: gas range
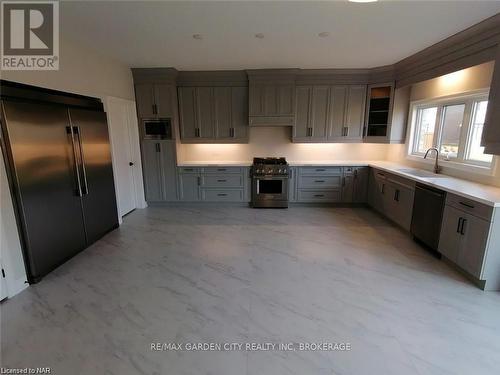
{"x": 270, "y": 167}
{"x": 270, "y": 183}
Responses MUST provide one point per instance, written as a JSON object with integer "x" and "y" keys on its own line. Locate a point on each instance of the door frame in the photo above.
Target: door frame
{"x": 133, "y": 136}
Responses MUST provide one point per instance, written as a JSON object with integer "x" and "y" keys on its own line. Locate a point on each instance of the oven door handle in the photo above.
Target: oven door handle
{"x": 258, "y": 187}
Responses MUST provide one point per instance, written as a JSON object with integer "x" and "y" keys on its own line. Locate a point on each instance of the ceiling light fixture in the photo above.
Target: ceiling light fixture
{"x": 324, "y": 34}
{"x": 197, "y": 36}
{"x": 259, "y": 36}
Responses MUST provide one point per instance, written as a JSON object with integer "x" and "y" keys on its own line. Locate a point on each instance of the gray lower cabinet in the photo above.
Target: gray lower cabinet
{"x": 464, "y": 237}
{"x": 392, "y": 196}
{"x": 189, "y": 187}
{"x": 159, "y": 160}
{"x": 355, "y": 185}
{"x": 213, "y": 184}
{"x": 213, "y": 114}
{"x": 292, "y": 185}
{"x": 319, "y": 184}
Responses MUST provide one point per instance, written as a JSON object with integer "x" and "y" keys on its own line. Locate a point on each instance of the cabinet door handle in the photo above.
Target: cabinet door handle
{"x": 459, "y": 224}
{"x": 319, "y": 170}
{"x": 396, "y": 195}
{"x": 221, "y": 169}
{"x": 231, "y": 132}
{"x": 355, "y": 173}
{"x": 199, "y": 180}
{"x": 157, "y": 146}
{"x": 462, "y": 229}
{"x": 221, "y": 180}
{"x": 222, "y": 195}
{"x": 319, "y": 181}
{"x": 343, "y": 181}
{"x": 319, "y": 195}
{"x": 383, "y": 189}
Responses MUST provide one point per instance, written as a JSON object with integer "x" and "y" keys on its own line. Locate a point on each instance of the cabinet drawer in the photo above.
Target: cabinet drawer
{"x": 222, "y": 170}
{"x": 320, "y": 171}
{"x": 222, "y": 181}
{"x": 189, "y": 170}
{"x": 319, "y": 196}
{"x": 467, "y": 205}
{"x": 216, "y": 195}
{"x": 320, "y": 182}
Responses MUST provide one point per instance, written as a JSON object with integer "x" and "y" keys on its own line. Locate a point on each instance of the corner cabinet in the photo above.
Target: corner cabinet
{"x": 329, "y": 113}
{"x": 213, "y": 114}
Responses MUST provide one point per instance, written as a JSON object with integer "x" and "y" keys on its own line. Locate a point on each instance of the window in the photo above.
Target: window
{"x": 454, "y": 126}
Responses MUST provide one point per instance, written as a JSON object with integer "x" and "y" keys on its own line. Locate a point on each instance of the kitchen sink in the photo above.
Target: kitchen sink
{"x": 420, "y": 173}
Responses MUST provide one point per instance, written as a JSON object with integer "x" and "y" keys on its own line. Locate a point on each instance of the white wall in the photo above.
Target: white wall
{"x": 82, "y": 71}
{"x": 269, "y": 141}
{"x": 474, "y": 78}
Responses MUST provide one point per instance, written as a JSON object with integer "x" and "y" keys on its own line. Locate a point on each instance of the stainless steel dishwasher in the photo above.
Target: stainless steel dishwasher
{"x": 428, "y": 209}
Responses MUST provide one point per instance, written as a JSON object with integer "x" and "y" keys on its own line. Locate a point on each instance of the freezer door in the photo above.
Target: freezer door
{"x": 41, "y": 159}
{"x": 96, "y": 172}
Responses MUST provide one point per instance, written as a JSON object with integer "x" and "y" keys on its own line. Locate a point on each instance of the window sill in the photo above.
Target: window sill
{"x": 445, "y": 164}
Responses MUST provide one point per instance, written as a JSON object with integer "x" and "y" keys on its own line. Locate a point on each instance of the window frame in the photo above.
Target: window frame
{"x": 462, "y": 160}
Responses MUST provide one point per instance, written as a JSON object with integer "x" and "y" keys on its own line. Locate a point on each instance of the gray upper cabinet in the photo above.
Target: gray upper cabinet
{"x": 491, "y": 131}
{"x": 338, "y": 103}
{"x": 329, "y": 113}
{"x": 355, "y": 113}
{"x": 155, "y": 100}
{"x": 205, "y": 112}
{"x": 386, "y": 113}
{"x": 213, "y": 114}
{"x": 159, "y": 163}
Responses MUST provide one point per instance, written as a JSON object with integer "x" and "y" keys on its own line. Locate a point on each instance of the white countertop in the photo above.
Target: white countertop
{"x": 486, "y": 194}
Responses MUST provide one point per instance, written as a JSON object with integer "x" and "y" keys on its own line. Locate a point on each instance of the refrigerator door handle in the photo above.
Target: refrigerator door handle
{"x": 78, "y": 190}
{"x": 78, "y": 132}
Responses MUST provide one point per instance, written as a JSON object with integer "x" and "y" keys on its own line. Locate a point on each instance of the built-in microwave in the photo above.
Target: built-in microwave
{"x": 160, "y": 128}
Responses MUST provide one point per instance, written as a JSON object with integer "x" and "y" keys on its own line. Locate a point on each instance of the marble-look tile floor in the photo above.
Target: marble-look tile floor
{"x": 234, "y": 274}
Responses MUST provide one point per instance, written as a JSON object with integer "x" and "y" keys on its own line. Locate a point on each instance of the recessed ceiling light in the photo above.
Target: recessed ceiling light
{"x": 324, "y": 34}
{"x": 197, "y": 36}
{"x": 259, "y": 36}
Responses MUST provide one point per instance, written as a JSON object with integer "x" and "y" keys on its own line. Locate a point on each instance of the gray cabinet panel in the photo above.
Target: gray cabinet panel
{"x": 319, "y": 111}
{"x": 360, "y": 185}
{"x": 222, "y": 195}
{"x": 450, "y": 239}
{"x": 286, "y": 100}
{"x": 292, "y": 185}
{"x": 271, "y": 100}
{"x": 235, "y": 180}
{"x": 239, "y": 112}
{"x": 205, "y": 112}
{"x": 151, "y": 158}
{"x": 348, "y": 188}
{"x": 144, "y": 97}
{"x": 168, "y": 169}
{"x": 223, "y": 120}
{"x": 399, "y": 204}
{"x": 256, "y": 100}
{"x": 187, "y": 112}
{"x": 302, "y": 126}
{"x": 475, "y": 233}
{"x": 189, "y": 187}
{"x": 320, "y": 171}
{"x": 223, "y": 170}
{"x": 377, "y": 191}
{"x": 320, "y": 182}
{"x": 491, "y": 132}
{"x": 164, "y": 100}
{"x": 330, "y": 196}
{"x": 338, "y": 102}
{"x": 355, "y": 114}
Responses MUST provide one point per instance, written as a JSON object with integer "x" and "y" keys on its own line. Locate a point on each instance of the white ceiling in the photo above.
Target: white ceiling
{"x": 159, "y": 34}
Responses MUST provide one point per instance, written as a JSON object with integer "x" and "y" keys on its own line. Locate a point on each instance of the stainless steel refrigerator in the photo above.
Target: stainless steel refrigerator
{"x": 58, "y": 158}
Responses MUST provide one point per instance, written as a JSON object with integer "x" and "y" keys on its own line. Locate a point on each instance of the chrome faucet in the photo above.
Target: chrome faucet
{"x": 437, "y": 168}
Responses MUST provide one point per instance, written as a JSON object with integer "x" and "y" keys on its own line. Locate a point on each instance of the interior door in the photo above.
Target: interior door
{"x": 123, "y": 160}
{"x": 43, "y": 163}
{"x": 99, "y": 200}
